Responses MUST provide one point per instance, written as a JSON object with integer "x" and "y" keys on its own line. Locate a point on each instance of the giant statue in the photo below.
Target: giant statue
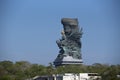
{"x": 70, "y": 43}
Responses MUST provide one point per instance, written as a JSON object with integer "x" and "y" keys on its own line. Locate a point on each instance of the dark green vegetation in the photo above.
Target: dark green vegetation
{"x": 23, "y": 70}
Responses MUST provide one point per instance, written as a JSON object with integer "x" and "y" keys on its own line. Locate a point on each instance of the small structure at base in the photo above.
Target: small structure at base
{"x": 70, "y": 76}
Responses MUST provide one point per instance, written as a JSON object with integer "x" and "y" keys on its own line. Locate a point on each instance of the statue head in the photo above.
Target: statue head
{"x": 69, "y": 25}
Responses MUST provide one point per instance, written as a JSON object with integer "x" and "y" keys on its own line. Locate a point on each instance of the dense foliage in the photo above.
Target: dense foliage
{"x": 24, "y": 70}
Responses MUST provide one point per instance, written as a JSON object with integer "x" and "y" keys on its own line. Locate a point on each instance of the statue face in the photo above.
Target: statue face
{"x": 67, "y": 29}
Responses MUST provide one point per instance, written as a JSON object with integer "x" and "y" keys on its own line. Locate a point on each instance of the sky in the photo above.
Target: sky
{"x": 29, "y": 29}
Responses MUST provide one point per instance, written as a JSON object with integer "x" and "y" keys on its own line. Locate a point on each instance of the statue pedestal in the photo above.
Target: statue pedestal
{"x": 67, "y": 60}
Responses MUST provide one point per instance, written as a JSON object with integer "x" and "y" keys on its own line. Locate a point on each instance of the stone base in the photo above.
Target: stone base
{"x": 67, "y": 60}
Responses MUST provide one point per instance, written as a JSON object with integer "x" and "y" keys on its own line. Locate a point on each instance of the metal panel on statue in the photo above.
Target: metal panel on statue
{"x": 69, "y": 44}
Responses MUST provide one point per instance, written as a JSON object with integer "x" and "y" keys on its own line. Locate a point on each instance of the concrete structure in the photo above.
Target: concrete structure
{"x": 70, "y": 76}
{"x": 66, "y": 60}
